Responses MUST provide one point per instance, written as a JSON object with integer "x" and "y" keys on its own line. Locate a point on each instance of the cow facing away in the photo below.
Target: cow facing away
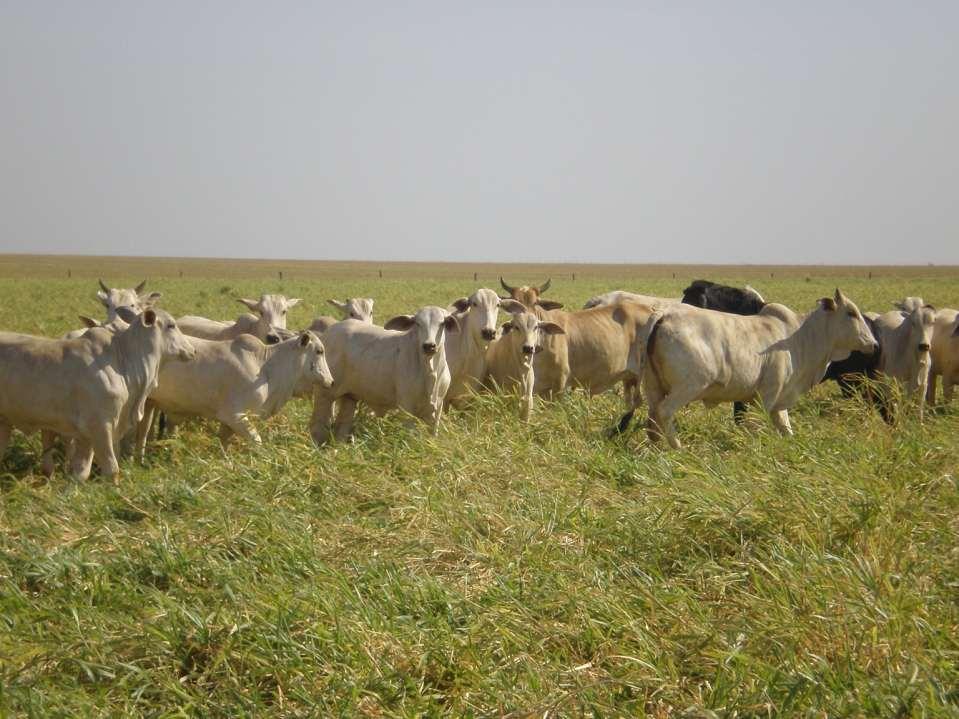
{"x": 354, "y": 308}
{"x": 611, "y": 298}
{"x": 90, "y": 390}
{"x": 232, "y": 379}
{"x": 511, "y": 357}
{"x": 694, "y": 354}
{"x": 133, "y": 299}
{"x": 905, "y": 337}
{"x": 477, "y": 317}
{"x": 945, "y": 355}
{"x": 399, "y": 366}
{"x": 270, "y": 316}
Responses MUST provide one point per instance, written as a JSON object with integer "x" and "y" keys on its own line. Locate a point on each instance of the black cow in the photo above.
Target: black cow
{"x": 709, "y": 295}
{"x": 851, "y": 373}
{"x": 723, "y": 298}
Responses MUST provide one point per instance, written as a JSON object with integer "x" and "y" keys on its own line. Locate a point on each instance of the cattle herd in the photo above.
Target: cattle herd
{"x": 99, "y": 389}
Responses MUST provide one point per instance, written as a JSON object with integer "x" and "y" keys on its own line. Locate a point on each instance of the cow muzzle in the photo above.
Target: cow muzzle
{"x": 529, "y": 350}
{"x": 272, "y": 339}
{"x": 924, "y": 347}
{"x": 429, "y": 348}
{"x": 488, "y": 335}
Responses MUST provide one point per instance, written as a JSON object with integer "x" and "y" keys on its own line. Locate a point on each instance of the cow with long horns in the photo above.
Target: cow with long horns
{"x": 530, "y": 296}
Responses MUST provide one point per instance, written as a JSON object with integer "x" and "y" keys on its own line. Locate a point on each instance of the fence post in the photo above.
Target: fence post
{"x": 281, "y": 275}
{"x": 474, "y": 277}
{"x": 69, "y": 273}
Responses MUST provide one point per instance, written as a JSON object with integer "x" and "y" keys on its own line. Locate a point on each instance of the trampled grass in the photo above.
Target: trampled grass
{"x": 499, "y": 568}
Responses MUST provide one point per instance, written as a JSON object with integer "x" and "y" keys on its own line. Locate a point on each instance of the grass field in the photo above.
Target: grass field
{"x": 499, "y": 568}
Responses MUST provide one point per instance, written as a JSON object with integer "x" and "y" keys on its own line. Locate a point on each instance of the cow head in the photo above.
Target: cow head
{"x": 430, "y": 325}
{"x": 134, "y": 299}
{"x": 530, "y": 296}
{"x": 173, "y": 343}
{"x": 922, "y": 321}
{"x": 845, "y": 327}
{"x": 481, "y": 310}
{"x": 272, "y": 309}
{"x": 312, "y": 347}
{"x": 355, "y": 308}
{"x": 527, "y": 332}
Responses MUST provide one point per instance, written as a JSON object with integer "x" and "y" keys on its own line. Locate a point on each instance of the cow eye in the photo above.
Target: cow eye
{"x": 852, "y": 314}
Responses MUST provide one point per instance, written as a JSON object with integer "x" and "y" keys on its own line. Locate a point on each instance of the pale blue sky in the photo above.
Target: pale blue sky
{"x": 807, "y": 132}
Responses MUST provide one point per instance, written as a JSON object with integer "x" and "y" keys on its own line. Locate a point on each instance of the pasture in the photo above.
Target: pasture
{"x": 499, "y": 568}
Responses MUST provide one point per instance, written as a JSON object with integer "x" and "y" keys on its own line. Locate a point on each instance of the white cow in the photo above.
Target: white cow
{"x": 113, "y": 299}
{"x": 511, "y": 357}
{"x": 89, "y": 390}
{"x": 271, "y": 311}
{"x": 696, "y": 354}
{"x": 399, "y": 366}
{"x": 945, "y": 355}
{"x": 354, "y": 308}
{"x": 477, "y": 316}
{"x": 232, "y": 379}
{"x": 905, "y": 336}
{"x": 611, "y": 298}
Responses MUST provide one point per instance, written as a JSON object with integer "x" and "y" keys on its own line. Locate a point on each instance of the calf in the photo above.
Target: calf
{"x": 90, "y": 390}
{"x": 945, "y": 355}
{"x": 271, "y": 311}
{"x": 232, "y": 379}
{"x": 466, "y": 350}
{"x": 591, "y": 352}
{"x": 693, "y": 354}
{"x": 510, "y": 359}
{"x": 906, "y": 339}
{"x": 399, "y": 366}
{"x": 354, "y": 308}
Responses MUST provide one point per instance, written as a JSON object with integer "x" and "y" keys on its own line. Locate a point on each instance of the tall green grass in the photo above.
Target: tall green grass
{"x": 497, "y": 569}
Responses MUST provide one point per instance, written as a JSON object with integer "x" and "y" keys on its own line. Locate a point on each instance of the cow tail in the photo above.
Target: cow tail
{"x": 637, "y": 361}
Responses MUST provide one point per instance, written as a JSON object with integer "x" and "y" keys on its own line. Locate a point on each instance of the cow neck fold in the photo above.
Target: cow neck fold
{"x": 810, "y": 351}
{"x": 281, "y": 371}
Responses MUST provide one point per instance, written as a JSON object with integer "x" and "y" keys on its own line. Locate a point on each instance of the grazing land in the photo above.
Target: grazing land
{"x": 499, "y": 568}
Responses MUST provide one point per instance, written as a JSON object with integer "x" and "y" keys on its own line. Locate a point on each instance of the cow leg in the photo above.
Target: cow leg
{"x": 931, "y": 389}
{"x": 343, "y": 426}
{"x": 102, "y": 442}
{"x": 780, "y": 418}
{"x": 739, "y": 412}
{"x": 80, "y": 459}
{"x": 48, "y": 441}
{"x": 143, "y": 430}
{"x": 654, "y": 398}
{"x": 321, "y": 418}
{"x": 947, "y": 386}
{"x": 242, "y": 427}
{"x": 5, "y": 431}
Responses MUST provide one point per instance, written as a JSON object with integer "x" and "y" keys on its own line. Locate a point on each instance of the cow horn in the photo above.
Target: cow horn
{"x": 139, "y": 288}
{"x": 104, "y": 287}
{"x": 506, "y": 286}
{"x": 545, "y": 285}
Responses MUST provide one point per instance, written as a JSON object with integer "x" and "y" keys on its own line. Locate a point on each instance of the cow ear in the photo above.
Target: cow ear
{"x": 128, "y": 315}
{"x": 104, "y": 299}
{"x": 549, "y": 304}
{"x": 451, "y": 324}
{"x": 304, "y": 339}
{"x": 293, "y": 302}
{"x": 929, "y": 307}
{"x": 337, "y": 304}
{"x": 840, "y": 300}
{"x": 828, "y": 304}
{"x": 507, "y": 327}
{"x": 399, "y": 323}
{"x": 461, "y": 305}
{"x": 511, "y": 306}
{"x": 152, "y": 297}
{"x": 551, "y": 328}
{"x": 149, "y": 318}
{"x": 250, "y": 304}
{"x": 88, "y": 321}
